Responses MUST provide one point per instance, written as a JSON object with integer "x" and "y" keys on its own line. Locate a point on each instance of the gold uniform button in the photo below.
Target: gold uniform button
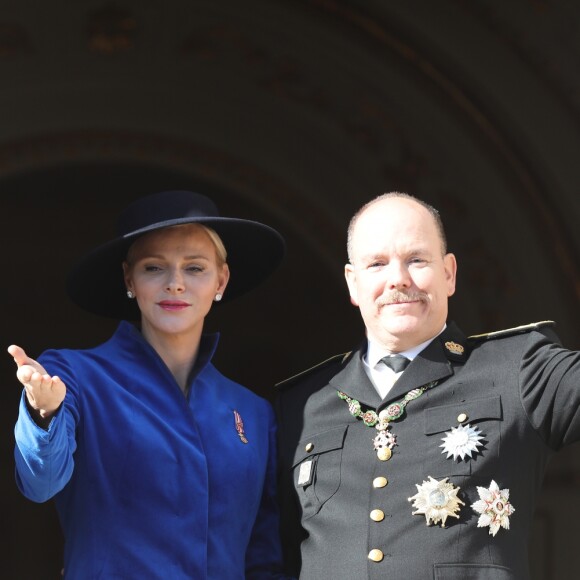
{"x": 377, "y": 515}
{"x": 375, "y": 555}
{"x": 461, "y": 418}
{"x": 309, "y": 447}
{"x": 380, "y": 481}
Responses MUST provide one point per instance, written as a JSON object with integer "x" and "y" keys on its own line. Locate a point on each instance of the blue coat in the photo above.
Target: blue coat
{"x": 149, "y": 483}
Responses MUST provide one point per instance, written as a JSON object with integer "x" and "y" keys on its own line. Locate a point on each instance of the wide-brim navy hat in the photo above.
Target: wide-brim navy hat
{"x": 96, "y": 283}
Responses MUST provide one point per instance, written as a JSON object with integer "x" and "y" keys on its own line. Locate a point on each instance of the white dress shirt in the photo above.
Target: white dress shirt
{"x": 381, "y": 376}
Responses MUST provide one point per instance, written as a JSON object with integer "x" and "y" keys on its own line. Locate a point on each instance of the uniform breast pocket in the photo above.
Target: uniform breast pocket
{"x": 472, "y": 571}
{"x": 462, "y": 438}
{"x": 316, "y": 469}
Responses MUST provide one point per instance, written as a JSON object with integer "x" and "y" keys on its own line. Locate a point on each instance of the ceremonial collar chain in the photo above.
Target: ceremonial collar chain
{"x": 384, "y": 441}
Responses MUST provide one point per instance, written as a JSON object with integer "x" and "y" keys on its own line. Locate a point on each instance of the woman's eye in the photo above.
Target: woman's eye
{"x": 194, "y": 268}
{"x": 151, "y": 268}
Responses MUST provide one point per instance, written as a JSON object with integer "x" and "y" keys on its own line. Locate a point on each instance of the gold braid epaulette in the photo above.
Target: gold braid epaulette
{"x": 291, "y": 380}
{"x": 512, "y": 331}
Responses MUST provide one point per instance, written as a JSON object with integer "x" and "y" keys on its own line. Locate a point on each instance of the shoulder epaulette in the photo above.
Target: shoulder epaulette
{"x": 513, "y": 331}
{"x": 333, "y": 359}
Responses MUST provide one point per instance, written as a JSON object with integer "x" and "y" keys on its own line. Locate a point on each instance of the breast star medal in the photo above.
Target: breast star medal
{"x": 461, "y": 441}
{"x": 494, "y": 507}
{"x": 240, "y": 427}
{"x": 436, "y": 500}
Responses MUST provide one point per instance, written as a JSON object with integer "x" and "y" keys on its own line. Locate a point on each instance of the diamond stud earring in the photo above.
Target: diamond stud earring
{"x": 130, "y": 294}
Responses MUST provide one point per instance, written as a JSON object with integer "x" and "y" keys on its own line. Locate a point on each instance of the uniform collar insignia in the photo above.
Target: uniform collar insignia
{"x": 454, "y": 348}
{"x": 453, "y": 344}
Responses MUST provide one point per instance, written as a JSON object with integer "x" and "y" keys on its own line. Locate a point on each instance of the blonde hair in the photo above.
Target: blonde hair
{"x": 221, "y": 251}
{"x": 220, "y": 248}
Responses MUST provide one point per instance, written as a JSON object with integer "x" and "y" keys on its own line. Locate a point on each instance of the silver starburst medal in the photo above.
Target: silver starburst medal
{"x": 436, "y": 500}
{"x": 462, "y": 441}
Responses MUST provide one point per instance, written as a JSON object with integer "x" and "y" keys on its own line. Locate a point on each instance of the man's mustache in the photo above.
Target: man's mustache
{"x": 396, "y": 296}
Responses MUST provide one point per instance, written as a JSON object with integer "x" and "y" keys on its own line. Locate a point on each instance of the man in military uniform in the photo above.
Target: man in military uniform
{"x": 426, "y": 467}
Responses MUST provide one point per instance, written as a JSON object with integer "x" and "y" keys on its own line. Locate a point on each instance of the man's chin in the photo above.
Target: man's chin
{"x": 403, "y": 323}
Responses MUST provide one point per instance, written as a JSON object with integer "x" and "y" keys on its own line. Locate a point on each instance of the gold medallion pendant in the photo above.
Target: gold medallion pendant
{"x": 384, "y": 440}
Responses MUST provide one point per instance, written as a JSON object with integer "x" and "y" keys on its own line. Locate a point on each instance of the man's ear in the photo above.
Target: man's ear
{"x": 350, "y": 276}
{"x": 450, "y": 265}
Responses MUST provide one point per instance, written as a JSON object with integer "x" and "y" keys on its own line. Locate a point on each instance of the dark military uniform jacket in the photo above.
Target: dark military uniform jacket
{"x": 470, "y": 450}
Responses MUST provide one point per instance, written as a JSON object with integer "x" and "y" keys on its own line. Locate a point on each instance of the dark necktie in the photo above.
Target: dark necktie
{"x": 396, "y": 362}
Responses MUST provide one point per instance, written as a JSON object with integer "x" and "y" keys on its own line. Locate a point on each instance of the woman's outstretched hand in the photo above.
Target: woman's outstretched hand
{"x": 43, "y": 392}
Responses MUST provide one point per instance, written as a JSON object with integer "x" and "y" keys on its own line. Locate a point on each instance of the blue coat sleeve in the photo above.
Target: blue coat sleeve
{"x": 264, "y": 554}
{"x": 44, "y": 458}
